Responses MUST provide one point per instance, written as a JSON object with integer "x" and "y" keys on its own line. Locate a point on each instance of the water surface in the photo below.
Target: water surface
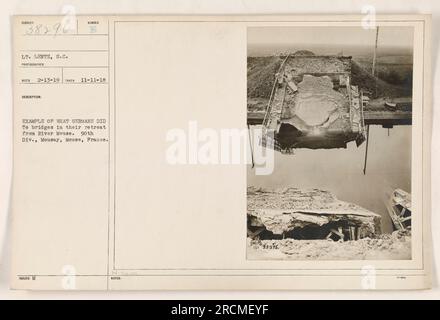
{"x": 340, "y": 170}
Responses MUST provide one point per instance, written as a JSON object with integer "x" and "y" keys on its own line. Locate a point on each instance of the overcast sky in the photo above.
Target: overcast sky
{"x": 333, "y": 36}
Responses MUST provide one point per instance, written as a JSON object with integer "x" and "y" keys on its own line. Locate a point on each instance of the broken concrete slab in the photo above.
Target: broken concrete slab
{"x": 316, "y": 101}
{"x": 308, "y": 214}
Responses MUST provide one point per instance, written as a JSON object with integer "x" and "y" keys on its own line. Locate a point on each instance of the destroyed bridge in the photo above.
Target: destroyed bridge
{"x": 313, "y": 104}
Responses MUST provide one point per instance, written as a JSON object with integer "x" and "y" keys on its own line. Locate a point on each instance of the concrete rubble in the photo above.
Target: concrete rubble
{"x": 395, "y": 246}
{"x": 307, "y": 214}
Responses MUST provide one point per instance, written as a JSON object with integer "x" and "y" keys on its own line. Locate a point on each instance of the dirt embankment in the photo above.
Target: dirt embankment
{"x": 261, "y": 75}
{"x": 374, "y": 86}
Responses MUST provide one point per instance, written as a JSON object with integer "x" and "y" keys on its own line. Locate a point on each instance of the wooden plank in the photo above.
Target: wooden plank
{"x": 338, "y": 233}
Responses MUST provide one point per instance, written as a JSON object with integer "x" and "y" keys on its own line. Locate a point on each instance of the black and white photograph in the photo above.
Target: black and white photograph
{"x": 334, "y": 104}
{"x": 228, "y": 154}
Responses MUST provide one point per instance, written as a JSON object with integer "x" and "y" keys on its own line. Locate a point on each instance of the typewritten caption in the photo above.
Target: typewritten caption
{"x": 78, "y": 130}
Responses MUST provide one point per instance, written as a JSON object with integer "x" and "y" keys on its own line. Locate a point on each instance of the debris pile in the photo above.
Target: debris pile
{"x": 307, "y": 214}
{"x": 399, "y": 209}
{"x": 395, "y": 246}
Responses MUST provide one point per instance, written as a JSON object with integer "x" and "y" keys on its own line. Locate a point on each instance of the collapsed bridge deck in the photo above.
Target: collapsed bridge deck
{"x": 307, "y": 214}
{"x": 313, "y": 105}
{"x": 315, "y": 94}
